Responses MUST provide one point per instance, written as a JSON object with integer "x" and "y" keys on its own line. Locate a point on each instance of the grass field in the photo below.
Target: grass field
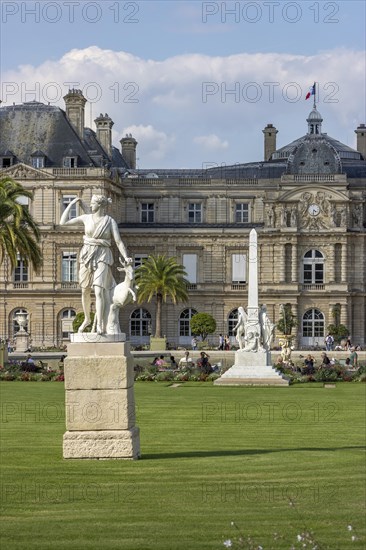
{"x": 210, "y": 456}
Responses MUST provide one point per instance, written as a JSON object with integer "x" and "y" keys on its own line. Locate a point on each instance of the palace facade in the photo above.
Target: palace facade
{"x": 306, "y": 201}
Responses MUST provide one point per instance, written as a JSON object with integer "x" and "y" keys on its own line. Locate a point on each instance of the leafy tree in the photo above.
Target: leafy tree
{"x": 336, "y": 329}
{"x": 161, "y": 278}
{"x": 203, "y": 324}
{"x": 19, "y": 233}
{"x": 339, "y": 332}
{"x": 287, "y": 320}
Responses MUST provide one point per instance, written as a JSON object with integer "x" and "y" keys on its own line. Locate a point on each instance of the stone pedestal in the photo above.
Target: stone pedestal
{"x": 252, "y": 369}
{"x": 100, "y": 404}
{"x": 157, "y": 344}
{"x": 22, "y": 341}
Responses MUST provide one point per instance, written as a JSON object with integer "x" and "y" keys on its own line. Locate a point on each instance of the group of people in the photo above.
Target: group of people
{"x": 348, "y": 346}
{"x": 309, "y": 362}
{"x": 224, "y": 342}
{"x": 185, "y": 363}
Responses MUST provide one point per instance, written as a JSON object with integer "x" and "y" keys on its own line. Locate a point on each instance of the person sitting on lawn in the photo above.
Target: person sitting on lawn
{"x": 309, "y": 365}
{"x": 173, "y": 363}
{"x": 203, "y": 363}
{"x": 161, "y": 363}
{"x": 186, "y": 361}
{"x": 325, "y": 360}
{"x": 353, "y": 358}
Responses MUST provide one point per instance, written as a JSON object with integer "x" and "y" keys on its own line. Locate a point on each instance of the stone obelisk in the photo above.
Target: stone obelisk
{"x": 253, "y": 364}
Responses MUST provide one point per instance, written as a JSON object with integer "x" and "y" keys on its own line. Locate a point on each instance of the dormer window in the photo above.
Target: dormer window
{"x": 7, "y": 159}
{"x": 38, "y": 159}
{"x": 70, "y": 162}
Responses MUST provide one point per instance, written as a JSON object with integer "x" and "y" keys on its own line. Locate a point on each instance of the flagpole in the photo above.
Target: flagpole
{"x": 314, "y": 105}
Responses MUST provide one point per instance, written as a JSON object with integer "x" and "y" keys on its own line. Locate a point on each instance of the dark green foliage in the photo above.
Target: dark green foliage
{"x": 203, "y": 324}
{"x": 79, "y": 319}
{"x": 287, "y": 320}
{"x": 339, "y": 332}
{"x": 19, "y": 233}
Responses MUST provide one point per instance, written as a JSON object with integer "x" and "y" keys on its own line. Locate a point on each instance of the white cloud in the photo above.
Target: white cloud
{"x": 211, "y": 142}
{"x": 169, "y": 104}
{"x": 152, "y": 143}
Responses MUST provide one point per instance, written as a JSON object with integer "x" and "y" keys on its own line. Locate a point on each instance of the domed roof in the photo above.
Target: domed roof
{"x": 314, "y": 115}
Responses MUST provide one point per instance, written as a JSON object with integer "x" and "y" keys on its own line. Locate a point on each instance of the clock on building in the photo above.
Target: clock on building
{"x": 314, "y": 210}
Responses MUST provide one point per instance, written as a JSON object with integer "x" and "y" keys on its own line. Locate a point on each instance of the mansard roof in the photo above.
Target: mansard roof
{"x": 34, "y": 126}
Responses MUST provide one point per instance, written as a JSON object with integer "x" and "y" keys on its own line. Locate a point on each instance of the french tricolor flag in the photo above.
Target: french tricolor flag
{"x": 311, "y": 91}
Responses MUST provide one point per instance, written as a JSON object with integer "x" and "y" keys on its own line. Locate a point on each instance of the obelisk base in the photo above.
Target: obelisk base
{"x": 252, "y": 369}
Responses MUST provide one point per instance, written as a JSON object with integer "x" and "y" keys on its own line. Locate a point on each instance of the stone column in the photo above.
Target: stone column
{"x": 282, "y": 262}
{"x": 294, "y": 267}
{"x": 344, "y": 263}
{"x": 296, "y": 329}
{"x": 344, "y": 314}
{"x": 332, "y": 263}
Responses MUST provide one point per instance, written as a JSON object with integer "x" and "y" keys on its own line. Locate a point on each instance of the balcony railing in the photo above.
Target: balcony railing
{"x": 313, "y": 287}
{"x": 69, "y": 284}
{"x": 192, "y": 287}
{"x": 21, "y": 285}
{"x": 238, "y": 286}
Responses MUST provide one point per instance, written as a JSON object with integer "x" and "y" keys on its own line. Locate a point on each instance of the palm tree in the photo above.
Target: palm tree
{"x": 19, "y": 232}
{"x": 163, "y": 278}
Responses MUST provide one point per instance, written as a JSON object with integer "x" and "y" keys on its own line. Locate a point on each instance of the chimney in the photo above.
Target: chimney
{"x": 269, "y": 140}
{"x": 75, "y": 110}
{"x": 361, "y": 140}
{"x": 104, "y": 132}
{"x": 128, "y": 144}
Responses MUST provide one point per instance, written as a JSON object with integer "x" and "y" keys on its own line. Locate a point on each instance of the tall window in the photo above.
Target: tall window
{"x": 231, "y": 322}
{"x": 69, "y": 267}
{"x": 67, "y": 318}
{"x": 21, "y": 271}
{"x": 238, "y": 268}
{"x": 140, "y": 322}
{"x": 313, "y": 324}
{"x": 242, "y": 212}
{"x": 66, "y": 199}
{"x": 190, "y": 265}
{"x": 195, "y": 212}
{"x": 184, "y": 321}
{"x": 147, "y": 212}
{"x": 313, "y": 267}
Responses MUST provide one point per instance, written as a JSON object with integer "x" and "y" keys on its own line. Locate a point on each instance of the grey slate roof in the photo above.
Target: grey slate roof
{"x": 33, "y": 126}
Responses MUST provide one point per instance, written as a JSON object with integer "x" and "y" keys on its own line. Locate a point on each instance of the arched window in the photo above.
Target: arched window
{"x": 313, "y": 263}
{"x": 184, "y": 321}
{"x": 313, "y": 324}
{"x": 140, "y": 322}
{"x": 67, "y": 317}
{"x": 15, "y": 324}
{"x": 231, "y": 321}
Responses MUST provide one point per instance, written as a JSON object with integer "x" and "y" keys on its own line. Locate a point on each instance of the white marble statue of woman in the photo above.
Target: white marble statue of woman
{"x": 240, "y": 327}
{"x": 96, "y": 258}
{"x": 267, "y": 328}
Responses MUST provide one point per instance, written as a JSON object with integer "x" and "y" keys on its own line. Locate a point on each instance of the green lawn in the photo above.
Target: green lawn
{"x": 211, "y": 456}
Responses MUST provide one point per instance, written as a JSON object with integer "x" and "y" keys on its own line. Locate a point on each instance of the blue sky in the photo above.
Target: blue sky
{"x": 164, "y": 70}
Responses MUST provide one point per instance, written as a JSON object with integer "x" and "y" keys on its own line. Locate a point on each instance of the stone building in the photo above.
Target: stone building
{"x": 306, "y": 201}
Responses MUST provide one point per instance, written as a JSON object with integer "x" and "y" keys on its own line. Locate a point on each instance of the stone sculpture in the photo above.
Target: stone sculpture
{"x": 123, "y": 294}
{"x": 96, "y": 258}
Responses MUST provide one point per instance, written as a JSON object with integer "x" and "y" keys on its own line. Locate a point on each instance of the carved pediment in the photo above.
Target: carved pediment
{"x": 22, "y": 171}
